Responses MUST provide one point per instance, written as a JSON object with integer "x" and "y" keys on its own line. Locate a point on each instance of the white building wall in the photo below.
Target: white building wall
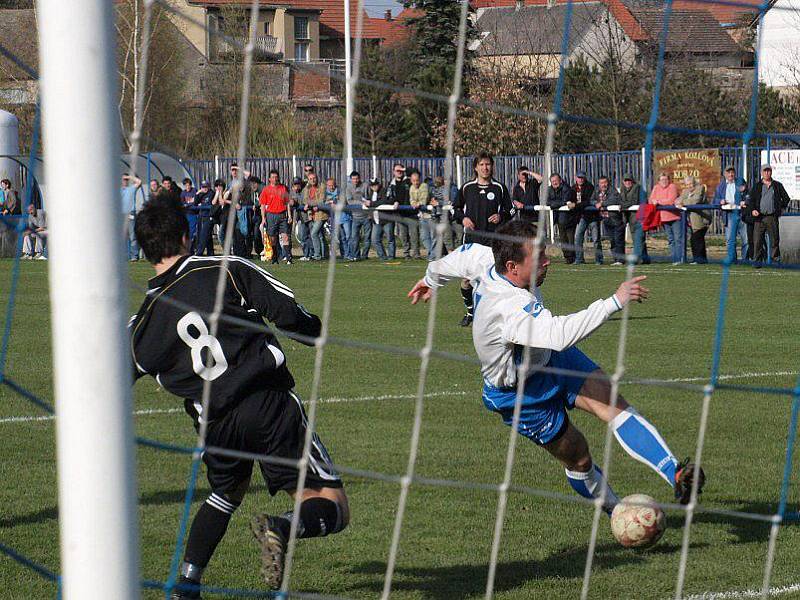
{"x": 779, "y": 61}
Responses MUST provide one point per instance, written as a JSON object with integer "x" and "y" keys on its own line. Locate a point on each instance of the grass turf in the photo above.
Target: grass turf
{"x": 447, "y": 533}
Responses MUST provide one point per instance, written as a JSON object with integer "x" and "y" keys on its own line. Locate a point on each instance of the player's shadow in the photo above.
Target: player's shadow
{"x": 465, "y": 581}
{"x": 157, "y": 498}
{"x": 746, "y": 531}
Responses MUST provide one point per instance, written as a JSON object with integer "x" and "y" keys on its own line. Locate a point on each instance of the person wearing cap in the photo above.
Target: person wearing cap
{"x": 203, "y": 200}
{"x": 589, "y": 219}
{"x": 357, "y": 198}
{"x": 665, "y": 193}
{"x": 731, "y": 192}
{"x": 381, "y": 226}
{"x": 606, "y": 195}
{"x": 560, "y": 195}
{"x": 397, "y": 195}
{"x": 767, "y": 203}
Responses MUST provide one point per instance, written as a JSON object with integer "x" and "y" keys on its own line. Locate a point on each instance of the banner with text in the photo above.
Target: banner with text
{"x": 785, "y": 168}
{"x": 701, "y": 164}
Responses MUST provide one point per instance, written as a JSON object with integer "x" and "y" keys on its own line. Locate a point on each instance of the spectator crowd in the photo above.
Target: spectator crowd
{"x": 412, "y": 211}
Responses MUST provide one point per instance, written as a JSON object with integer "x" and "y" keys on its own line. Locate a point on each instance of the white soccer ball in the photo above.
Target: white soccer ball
{"x": 637, "y": 521}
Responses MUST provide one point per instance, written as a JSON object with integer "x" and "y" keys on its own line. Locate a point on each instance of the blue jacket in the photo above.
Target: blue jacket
{"x": 719, "y": 194}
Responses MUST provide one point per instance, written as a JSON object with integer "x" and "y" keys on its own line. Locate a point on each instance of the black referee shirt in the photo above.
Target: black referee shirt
{"x": 478, "y": 202}
{"x": 170, "y": 338}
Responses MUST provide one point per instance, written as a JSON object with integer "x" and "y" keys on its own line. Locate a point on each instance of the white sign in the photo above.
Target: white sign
{"x": 785, "y": 168}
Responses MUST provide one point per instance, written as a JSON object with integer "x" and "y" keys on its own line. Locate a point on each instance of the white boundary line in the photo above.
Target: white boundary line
{"x": 169, "y": 411}
{"x": 342, "y": 399}
{"x": 736, "y": 594}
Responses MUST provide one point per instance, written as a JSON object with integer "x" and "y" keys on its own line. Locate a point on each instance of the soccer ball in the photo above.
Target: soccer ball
{"x": 637, "y": 521}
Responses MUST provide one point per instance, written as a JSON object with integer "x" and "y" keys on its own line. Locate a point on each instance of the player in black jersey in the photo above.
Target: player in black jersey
{"x": 252, "y": 407}
{"x": 482, "y": 205}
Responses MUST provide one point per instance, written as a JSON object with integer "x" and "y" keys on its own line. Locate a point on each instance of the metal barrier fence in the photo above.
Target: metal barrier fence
{"x": 595, "y": 164}
{"x": 613, "y": 164}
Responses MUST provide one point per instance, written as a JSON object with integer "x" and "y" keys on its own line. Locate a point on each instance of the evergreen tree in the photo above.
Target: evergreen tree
{"x": 433, "y": 50}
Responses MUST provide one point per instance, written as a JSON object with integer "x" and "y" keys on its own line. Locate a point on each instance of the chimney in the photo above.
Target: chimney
{"x": 388, "y": 15}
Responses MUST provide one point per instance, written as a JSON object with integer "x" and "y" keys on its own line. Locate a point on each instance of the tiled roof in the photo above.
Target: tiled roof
{"x": 395, "y": 30}
{"x": 534, "y": 29}
{"x": 725, "y": 14}
{"x": 616, "y": 7}
{"x": 695, "y": 31}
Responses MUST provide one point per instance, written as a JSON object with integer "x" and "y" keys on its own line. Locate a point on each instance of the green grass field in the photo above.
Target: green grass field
{"x": 447, "y": 533}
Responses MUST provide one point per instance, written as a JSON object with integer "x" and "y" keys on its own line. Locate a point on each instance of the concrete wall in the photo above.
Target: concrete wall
{"x": 790, "y": 239}
{"x": 190, "y": 25}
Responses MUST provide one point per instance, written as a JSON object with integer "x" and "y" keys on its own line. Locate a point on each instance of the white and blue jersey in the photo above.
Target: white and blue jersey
{"x": 509, "y": 318}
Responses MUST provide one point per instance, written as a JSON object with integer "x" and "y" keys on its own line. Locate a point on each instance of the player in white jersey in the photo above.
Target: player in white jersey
{"x": 508, "y": 319}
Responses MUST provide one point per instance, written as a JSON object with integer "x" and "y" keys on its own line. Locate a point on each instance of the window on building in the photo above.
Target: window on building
{"x": 301, "y": 28}
{"x": 266, "y": 27}
{"x": 301, "y": 51}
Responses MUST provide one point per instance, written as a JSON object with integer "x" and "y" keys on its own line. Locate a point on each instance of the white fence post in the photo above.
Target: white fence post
{"x": 644, "y": 170}
{"x": 89, "y": 301}
{"x": 745, "y": 172}
{"x": 216, "y": 166}
{"x": 459, "y": 176}
{"x": 374, "y": 167}
{"x": 294, "y": 166}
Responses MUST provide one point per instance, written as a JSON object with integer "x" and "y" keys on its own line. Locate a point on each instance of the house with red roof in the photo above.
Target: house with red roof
{"x": 525, "y": 36}
{"x": 299, "y": 44}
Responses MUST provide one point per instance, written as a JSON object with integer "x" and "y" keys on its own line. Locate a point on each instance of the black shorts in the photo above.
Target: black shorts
{"x": 270, "y": 423}
{"x": 277, "y": 223}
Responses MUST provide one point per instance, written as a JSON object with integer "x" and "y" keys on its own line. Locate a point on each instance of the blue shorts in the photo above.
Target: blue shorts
{"x": 548, "y": 396}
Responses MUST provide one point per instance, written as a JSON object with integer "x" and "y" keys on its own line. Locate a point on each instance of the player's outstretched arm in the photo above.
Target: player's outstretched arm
{"x": 275, "y": 301}
{"x": 535, "y": 326}
{"x": 469, "y": 261}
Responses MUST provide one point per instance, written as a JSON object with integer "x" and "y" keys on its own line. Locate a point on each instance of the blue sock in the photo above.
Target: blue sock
{"x": 641, "y": 440}
{"x": 590, "y": 485}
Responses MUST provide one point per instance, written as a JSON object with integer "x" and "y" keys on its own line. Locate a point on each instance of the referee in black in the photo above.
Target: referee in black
{"x": 252, "y": 406}
{"x": 481, "y": 206}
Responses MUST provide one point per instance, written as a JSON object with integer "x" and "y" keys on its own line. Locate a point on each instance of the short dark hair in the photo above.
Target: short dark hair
{"x": 186, "y": 180}
{"x": 522, "y": 168}
{"x": 6, "y": 181}
{"x": 274, "y": 172}
{"x": 606, "y": 177}
{"x": 166, "y": 178}
{"x": 160, "y": 229}
{"x": 730, "y": 168}
{"x": 511, "y": 245}
{"x": 482, "y": 156}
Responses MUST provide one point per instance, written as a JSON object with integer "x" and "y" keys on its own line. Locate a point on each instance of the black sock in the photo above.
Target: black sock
{"x": 318, "y": 517}
{"x": 466, "y": 294}
{"x": 208, "y": 527}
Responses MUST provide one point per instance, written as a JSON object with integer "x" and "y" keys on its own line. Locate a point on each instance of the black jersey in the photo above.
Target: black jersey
{"x": 170, "y": 338}
{"x": 478, "y": 202}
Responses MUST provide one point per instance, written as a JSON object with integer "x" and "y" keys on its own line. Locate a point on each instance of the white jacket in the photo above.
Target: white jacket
{"x": 508, "y": 318}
